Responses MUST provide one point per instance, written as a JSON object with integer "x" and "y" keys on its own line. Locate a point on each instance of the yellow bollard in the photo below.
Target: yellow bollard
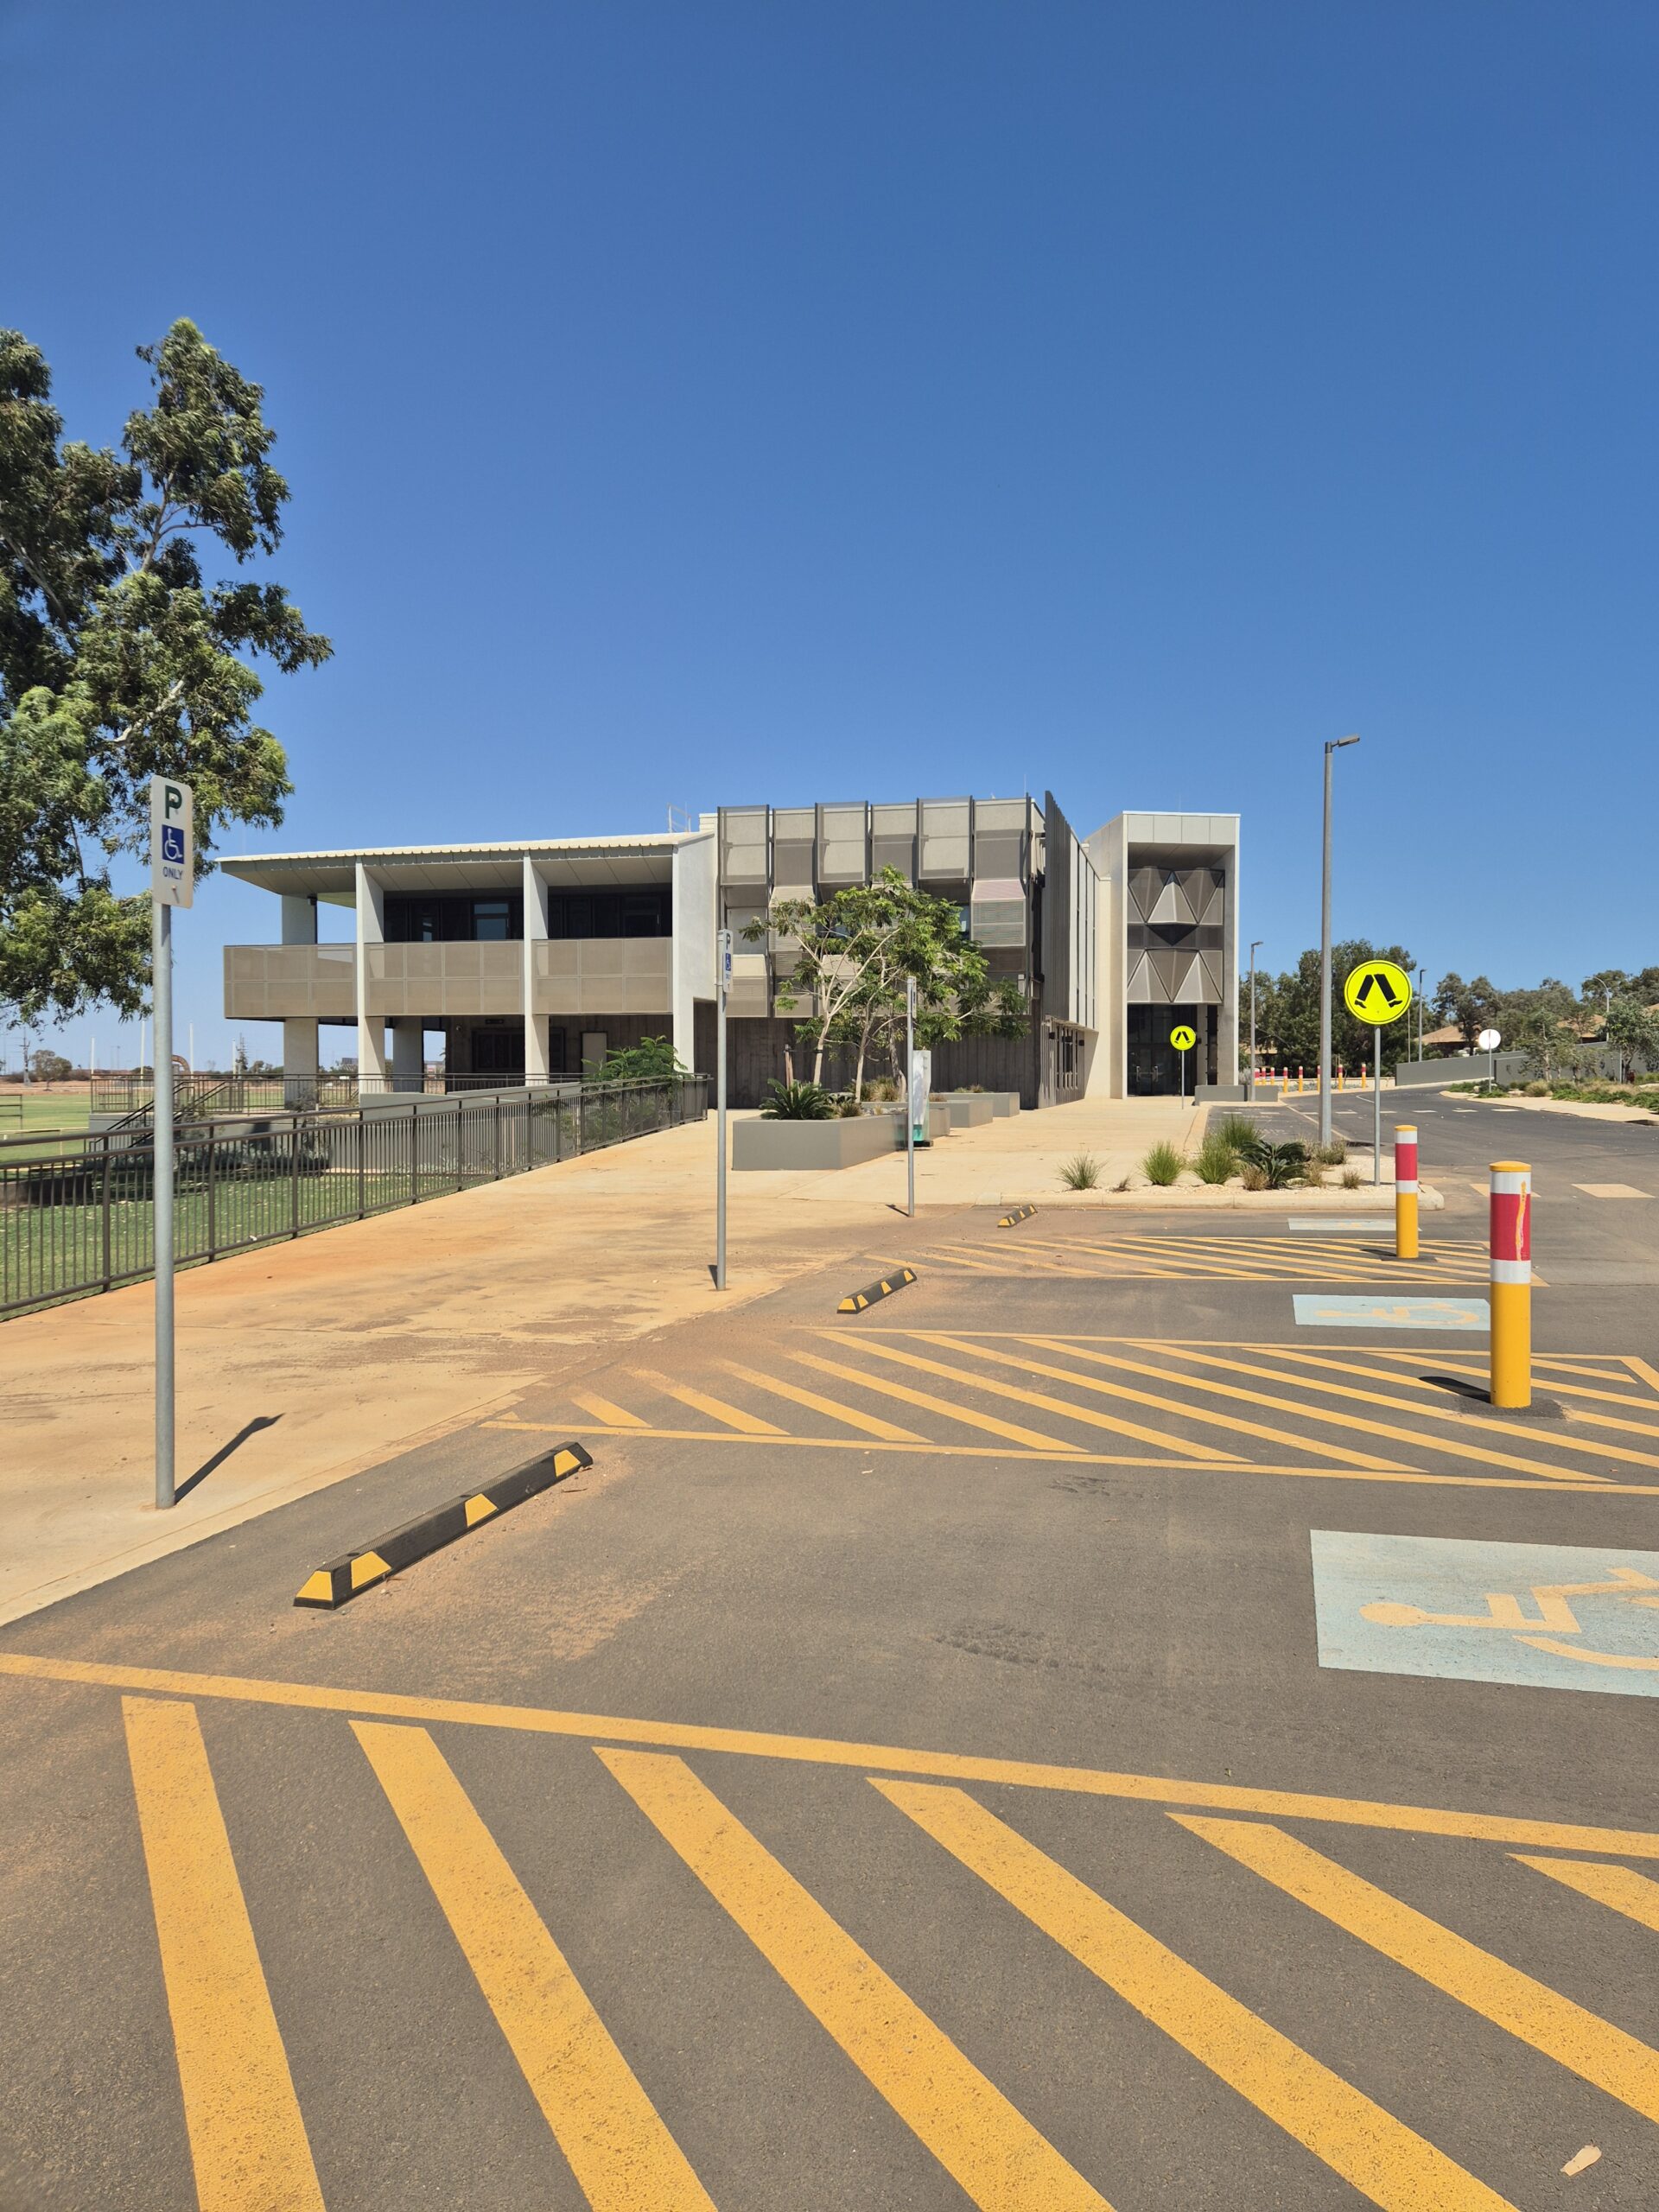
{"x": 1512, "y": 1285}
{"x": 1405, "y": 1191}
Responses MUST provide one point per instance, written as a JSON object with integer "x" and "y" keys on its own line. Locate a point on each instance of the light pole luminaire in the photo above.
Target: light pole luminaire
{"x": 1332, "y": 745}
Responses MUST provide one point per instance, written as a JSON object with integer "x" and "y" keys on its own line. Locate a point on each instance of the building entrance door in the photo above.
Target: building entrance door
{"x": 1155, "y": 1068}
{"x": 498, "y": 1051}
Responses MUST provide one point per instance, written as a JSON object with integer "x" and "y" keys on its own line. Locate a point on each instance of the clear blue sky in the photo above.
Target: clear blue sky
{"x": 703, "y": 400}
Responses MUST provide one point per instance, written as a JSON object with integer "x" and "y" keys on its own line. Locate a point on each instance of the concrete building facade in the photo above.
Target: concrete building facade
{"x": 534, "y": 959}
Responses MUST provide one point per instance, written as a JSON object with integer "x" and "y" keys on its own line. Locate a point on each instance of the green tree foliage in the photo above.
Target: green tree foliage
{"x": 1287, "y": 1010}
{"x": 852, "y": 957}
{"x": 119, "y": 660}
{"x": 653, "y": 1059}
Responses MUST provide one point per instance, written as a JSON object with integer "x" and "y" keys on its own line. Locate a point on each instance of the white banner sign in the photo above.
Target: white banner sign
{"x": 921, "y": 1082}
{"x": 172, "y": 842}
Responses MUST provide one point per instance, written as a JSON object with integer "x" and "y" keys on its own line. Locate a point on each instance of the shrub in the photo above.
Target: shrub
{"x": 1332, "y": 1155}
{"x": 1351, "y": 1179}
{"x": 1162, "y": 1165}
{"x": 1280, "y": 1166}
{"x": 797, "y": 1102}
{"x": 653, "y": 1059}
{"x": 1081, "y": 1174}
{"x": 847, "y": 1108}
{"x": 882, "y": 1091}
{"x": 1536, "y": 1090}
{"x": 1255, "y": 1178}
{"x": 1216, "y": 1160}
{"x": 1237, "y": 1131}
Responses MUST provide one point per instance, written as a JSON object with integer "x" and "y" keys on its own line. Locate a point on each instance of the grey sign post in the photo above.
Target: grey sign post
{"x": 172, "y": 883}
{"x": 910, "y": 1094}
{"x": 722, "y": 985}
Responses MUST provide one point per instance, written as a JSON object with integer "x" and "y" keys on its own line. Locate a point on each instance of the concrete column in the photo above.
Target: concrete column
{"x": 299, "y": 1060}
{"x": 299, "y": 919}
{"x": 408, "y": 1052}
{"x": 537, "y": 1069}
{"x": 371, "y": 931}
{"x": 1227, "y": 1027}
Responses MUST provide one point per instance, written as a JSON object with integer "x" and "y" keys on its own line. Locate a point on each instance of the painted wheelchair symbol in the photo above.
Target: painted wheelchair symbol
{"x": 1507, "y": 1613}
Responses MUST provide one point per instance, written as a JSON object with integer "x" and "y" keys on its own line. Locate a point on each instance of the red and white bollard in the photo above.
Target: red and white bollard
{"x": 1512, "y": 1285}
{"x": 1405, "y": 1191}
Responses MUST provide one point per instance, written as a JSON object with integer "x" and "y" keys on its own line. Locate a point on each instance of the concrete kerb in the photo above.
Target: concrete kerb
{"x": 343, "y": 1579}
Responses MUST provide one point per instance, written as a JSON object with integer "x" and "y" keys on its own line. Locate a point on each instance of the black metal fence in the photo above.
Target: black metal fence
{"x": 81, "y": 1218}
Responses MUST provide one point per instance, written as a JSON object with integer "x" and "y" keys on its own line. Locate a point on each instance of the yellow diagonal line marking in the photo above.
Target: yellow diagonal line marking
{"x": 1581, "y": 2041}
{"x": 1478, "y": 1371}
{"x": 1072, "y": 1455}
{"x": 887, "y": 1430}
{"x": 1383, "y": 2158}
{"x": 989, "y": 1422}
{"x": 1640, "y": 1367}
{"x": 833, "y": 1751}
{"x": 1455, "y": 1446}
{"x": 992, "y": 2152}
{"x": 623, "y": 2157}
{"x": 1620, "y": 1888}
{"x": 1234, "y": 1424}
{"x": 1446, "y": 1413}
{"x": 1062, "y": 1406}
{"x": 950, "y": 1258}
{"x": 1434, "y": 1412}
{"x": 247, "y": 2139}
{"x": 614, "y": 1416}
{"x": 716, "y": 1408}
{"x": 1021, "y": 1262}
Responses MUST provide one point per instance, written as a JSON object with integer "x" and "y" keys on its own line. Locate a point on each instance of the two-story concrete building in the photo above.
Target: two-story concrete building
{"x": 534, "y": 958}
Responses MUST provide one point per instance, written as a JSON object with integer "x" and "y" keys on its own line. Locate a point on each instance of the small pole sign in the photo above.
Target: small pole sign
{"x": 1184, "y": 1038}
{"x": 1489, "y": 1040}
{"x": 172, "y": 883}
{"x": 1377, "y": 992}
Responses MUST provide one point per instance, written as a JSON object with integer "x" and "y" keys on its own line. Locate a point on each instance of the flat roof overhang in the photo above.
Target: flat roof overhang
{"x": 565, "y": 863}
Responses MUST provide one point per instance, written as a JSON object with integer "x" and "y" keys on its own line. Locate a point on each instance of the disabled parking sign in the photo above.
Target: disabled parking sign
{"x": 1552, "y": 1615}
{"x": 172, "y": 842}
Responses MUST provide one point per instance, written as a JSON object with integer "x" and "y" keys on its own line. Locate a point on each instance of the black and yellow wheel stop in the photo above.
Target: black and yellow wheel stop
{"x": 342, "y": 1579}
{"x": 856, "y": 1300}
{"x": 1020, "y": 1213}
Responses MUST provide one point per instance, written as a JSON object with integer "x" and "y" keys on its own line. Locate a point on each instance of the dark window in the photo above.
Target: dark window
{"x": 438, "y": 919}
{"x": 645, "y": 912}
{"x": 490, "y": 917}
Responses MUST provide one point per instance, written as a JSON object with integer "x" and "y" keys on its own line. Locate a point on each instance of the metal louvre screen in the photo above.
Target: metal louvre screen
{"x": 79, "y": 1221}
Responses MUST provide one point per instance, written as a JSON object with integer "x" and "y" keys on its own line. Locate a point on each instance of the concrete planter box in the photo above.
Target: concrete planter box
{"x": 813, "y": 1145}
{"x": 969, "y": 1109}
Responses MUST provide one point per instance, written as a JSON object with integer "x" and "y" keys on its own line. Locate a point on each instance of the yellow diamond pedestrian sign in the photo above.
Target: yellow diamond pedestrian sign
{"x": 1377, "y": 991}
{"x": 1183, "y": 1038}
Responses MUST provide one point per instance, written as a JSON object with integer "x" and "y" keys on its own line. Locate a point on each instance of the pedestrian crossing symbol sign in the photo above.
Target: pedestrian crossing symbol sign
{"x": 1183, "y": 1038}
{"x": 1377, "y": 991}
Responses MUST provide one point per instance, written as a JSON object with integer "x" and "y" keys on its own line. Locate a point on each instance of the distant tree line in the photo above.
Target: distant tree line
{"x": 1562, "y": 1031}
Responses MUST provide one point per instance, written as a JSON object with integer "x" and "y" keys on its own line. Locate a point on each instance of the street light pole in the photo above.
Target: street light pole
{"x": 910, "y": 1095}
{"x": 1256, "y": 945}
{"x": 1332, "y": 745}
{"x": 722, "y": 985}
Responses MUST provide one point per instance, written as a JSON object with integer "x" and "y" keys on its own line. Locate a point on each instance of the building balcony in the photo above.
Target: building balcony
{"x": 600, "y": 975}
{"x": 442, "y": 979}
{"x": 273, "y": 982}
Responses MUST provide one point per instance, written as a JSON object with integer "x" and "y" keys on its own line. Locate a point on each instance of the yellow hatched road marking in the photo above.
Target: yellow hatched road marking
{"x": 988, "y": 1422}
{"x": 991, "y": 2150}
{"x": 1640, "y": 1367}
{"x": 247, "y": 2140}
{"x": 614, "y": 1416}
{"x": 1479, "y": 1370}
{"x": 716, "y": 1408}
{"x": 1023, "y": 1260}
{"x": 1383, "y": 2158}
{"x": 836, "y": 1752}
{"x": 1293, "y": 1259}
{"x": 1429, "y": 1412}
{"x": 1234, "y": 1424}
{"x": 888, "y": 1431}
{"x": 1581, "y": 2041}
{"x": 1620, "y": 1888}
{"x": 623, "y": 2157}
{"x": 1070, "y": 1455}
{"x": 1037, "y": 1397}
{"x": 1443, "y": 1412}
{"x": 1423, "y": 1442}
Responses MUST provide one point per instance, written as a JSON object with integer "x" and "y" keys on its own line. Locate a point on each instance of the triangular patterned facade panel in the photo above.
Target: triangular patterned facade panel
{"x": 1215, "y": 905}
{"x": 1210, "y": 967}
{"x": 1168, "y": 906}
{"x": 1164, "y": 966}
{"x": 1188, "y": 983}
{"x": 1145, "y": 884}
{"x": 1140, "y": 985}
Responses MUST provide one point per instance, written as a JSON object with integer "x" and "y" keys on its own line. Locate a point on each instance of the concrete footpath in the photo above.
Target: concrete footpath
{"x": 302, "y": 1364}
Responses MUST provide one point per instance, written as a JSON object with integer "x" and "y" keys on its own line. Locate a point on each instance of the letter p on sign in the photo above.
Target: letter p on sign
{"x": 172, "y": 842}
